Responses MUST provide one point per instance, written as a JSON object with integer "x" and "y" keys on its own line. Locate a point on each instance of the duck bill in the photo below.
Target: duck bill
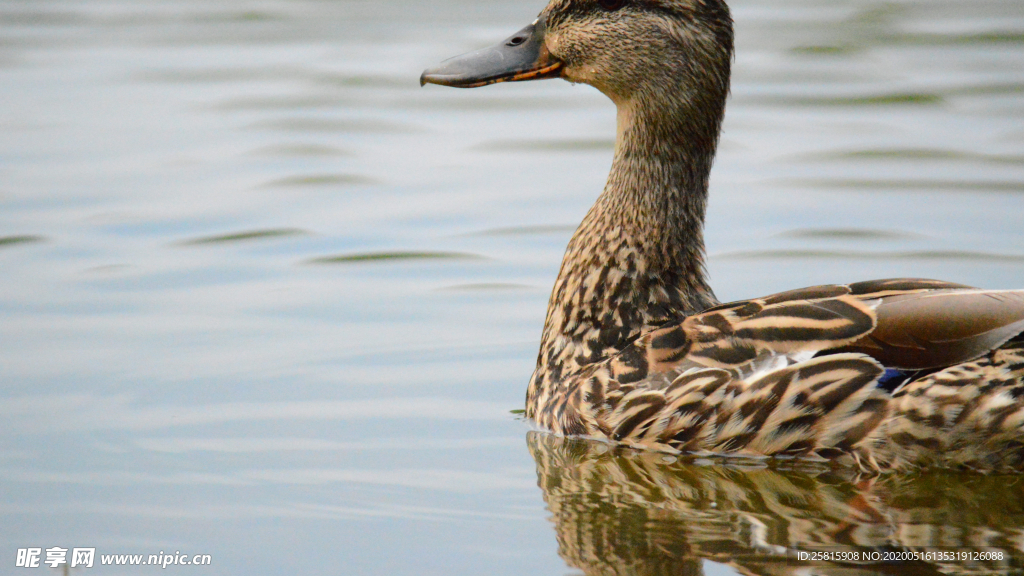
{"x": 522, "y": 56}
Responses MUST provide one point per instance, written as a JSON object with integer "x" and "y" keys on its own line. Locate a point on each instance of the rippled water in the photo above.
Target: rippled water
{"x": 264, "y": 298}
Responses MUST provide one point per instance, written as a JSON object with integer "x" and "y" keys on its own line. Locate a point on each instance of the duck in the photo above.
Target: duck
{"x": 882, "y": 375}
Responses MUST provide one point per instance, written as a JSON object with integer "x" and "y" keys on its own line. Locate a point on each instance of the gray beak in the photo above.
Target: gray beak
{"x": 523, "y": 56}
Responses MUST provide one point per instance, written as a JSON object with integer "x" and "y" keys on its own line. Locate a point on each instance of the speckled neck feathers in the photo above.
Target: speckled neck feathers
{"x": 638, "y": 258}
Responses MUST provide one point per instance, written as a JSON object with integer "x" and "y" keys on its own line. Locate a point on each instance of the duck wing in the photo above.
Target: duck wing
{"x": 940, "y": 328}
{"x": 794, "y": 373}
{"x": 906, "y": 324}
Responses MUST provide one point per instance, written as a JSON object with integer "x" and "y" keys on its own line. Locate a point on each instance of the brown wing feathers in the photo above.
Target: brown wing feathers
{"x": 903, "y": 323}
{"x": 936, "y": 329}
{"x": 731, "y": 337}
{"x": 685, "y": 385}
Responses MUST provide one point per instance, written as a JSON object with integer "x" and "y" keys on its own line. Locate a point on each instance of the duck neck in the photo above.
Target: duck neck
{"x": 638, "y": 258}
{"x": 657, "y": 194}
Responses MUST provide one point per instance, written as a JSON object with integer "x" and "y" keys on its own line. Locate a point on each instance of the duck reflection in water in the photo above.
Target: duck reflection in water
{"x": 621, "y": 511}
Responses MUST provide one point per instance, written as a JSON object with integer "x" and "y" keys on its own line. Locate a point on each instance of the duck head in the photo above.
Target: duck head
{"x": 628, "y": 49}
{"x": 637, "y": 259}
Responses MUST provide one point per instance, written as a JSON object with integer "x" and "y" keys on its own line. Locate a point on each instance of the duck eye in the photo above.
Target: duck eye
{"x": 611, "y": 4}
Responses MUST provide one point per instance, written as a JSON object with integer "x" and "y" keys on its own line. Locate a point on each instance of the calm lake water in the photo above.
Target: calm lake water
{"x": 265, "y": 298}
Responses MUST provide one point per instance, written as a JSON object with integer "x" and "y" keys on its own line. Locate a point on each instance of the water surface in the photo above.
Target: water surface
{"x": 265, "y": 298}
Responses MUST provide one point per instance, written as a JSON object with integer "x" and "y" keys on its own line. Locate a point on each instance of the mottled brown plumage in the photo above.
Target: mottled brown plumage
{"x": 883, "y": 374}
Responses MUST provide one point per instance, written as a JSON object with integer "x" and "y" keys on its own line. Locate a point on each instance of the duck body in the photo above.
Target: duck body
{"x": 884, "y": 375}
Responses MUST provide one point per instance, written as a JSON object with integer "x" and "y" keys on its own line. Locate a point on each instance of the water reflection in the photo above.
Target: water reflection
{"x": 6, "y": 241}
{"x": 618, "y": 511}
